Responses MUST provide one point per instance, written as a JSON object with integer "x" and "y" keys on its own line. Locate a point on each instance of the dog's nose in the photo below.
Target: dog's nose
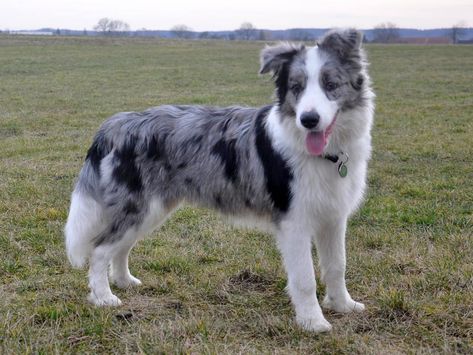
{"x": 310, "y": 119}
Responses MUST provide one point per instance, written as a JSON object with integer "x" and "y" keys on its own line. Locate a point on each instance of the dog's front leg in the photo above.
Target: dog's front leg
{"x": 295, "y": 246}
{"x": 330, "y": 245}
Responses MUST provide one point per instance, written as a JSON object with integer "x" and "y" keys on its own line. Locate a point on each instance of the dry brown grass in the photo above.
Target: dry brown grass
{"x": 208, "y": 287}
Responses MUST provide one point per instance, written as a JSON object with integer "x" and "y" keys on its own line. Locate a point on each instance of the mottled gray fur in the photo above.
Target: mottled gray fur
{"x": 199, "y": 154}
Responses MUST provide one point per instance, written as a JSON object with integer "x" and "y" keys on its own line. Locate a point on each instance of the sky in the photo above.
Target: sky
{"x": 214, "y": 15}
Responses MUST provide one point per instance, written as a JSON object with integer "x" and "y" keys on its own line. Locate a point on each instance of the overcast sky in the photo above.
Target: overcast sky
{"x": 228, "y": 15}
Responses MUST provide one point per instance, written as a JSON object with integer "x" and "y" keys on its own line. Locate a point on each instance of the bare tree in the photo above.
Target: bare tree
{"x": 386, "y": 33}
{"x": 182, "y": 31}
{"x": 457, "y": 31}
{"x": 102, "y": 25}
{"x": 246, "y": 31}
{"x": 118, "y": 27}
{"x": 112, "y": 27}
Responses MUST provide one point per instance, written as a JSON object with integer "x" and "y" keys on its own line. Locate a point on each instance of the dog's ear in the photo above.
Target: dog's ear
{"x": 342, "y": 43}
{"x": 273, "y": 58}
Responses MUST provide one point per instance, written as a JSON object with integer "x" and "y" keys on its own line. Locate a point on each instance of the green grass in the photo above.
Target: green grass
{"x": 209, "y": 287}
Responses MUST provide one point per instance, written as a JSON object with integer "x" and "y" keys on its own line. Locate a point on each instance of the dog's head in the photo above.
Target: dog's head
{"x": 315, "y": 84}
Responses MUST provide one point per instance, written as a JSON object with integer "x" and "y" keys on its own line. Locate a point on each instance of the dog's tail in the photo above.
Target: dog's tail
{"x": 86, "y": 215}
{"x": 85, "y": 220}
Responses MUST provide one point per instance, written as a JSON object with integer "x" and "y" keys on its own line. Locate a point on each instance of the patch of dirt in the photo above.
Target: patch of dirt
{"x": 248, "y": 280}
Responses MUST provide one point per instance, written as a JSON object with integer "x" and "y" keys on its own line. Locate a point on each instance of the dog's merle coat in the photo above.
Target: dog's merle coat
{"x": 215, "y": 157}
{"x": 235, "y": 160}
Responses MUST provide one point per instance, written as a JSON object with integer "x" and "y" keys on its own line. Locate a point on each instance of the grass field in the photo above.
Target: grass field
{"x": 209, "y": 287}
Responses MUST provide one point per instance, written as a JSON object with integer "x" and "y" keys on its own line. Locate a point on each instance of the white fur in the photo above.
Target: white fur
{"x": 314, "y": 98}
{"x": 83, "y": 224}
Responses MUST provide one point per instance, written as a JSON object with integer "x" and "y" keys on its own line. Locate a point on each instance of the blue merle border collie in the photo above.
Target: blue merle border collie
{"x": 296, "y": 168}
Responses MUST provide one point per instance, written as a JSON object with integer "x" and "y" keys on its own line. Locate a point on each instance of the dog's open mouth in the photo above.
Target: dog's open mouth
{"x": 316, "y": 141}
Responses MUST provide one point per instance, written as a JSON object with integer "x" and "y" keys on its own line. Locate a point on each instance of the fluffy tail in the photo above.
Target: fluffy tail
{"x": 83, "y": 224}
{"x": 85, "y": 220}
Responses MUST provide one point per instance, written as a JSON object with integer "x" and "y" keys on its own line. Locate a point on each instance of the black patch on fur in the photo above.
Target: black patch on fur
{"x": 281, "y": 73}
{"x": 182, "y": 165}
{"x": 167, "y": 166}
{"x": 113, "y": 229}
{"x": 196, "y": 140}
{"x": 130, "y": 208}
{"x": 188, "y": 180}
{"x": 126, "y": 172}
{"x": 109, "y": 235}
{"x": 282, "y": 85}
{"x": 218, "y": 200}
{"x": 97, "y": 151}
{"x": 225, "y": 125}
{"x": 227, "y": 153}
{"x": 359, "y": 83}
{"x": 153, "y": 149}
{"x": 278, "y": 175}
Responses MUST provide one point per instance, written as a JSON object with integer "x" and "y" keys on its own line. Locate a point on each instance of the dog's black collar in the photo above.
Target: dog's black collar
{"x": 333, "y": 158}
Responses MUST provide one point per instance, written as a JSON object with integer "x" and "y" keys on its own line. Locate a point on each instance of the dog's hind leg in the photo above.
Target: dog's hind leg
{"x": 100, "y": 292}
{"x": 115, "y": 242}
{"x": 295, "y": 245}
{"x": 112, "y": 251}
{"x": 129, "y": 224}
{"x": 119, "y": 272}
{"x": 330, "y": 245}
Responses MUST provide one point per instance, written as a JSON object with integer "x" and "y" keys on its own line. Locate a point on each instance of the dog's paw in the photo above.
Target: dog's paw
{"x": 316, "y": 325}
{"x": 346, "y": 306}
{"x": 109, "y": 300}
{"x": 126, "y": 282}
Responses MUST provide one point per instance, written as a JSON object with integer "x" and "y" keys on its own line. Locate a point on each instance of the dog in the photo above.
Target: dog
{"x": 296, "y": 168}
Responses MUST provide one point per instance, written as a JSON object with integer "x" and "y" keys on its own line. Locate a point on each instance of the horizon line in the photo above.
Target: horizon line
{"x": 227, "y": 30}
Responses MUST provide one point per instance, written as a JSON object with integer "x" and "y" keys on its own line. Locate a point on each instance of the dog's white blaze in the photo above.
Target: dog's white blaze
{"x": 313, "y": 97}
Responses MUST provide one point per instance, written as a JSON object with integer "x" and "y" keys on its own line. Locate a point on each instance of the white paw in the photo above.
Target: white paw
{"x": 317, "y": 325}
{"x": 346, "y": 306}
{"x": 126, "y": 282}
{"x": 102, "y": 301}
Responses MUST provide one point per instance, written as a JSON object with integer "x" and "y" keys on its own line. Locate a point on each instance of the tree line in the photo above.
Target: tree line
{"x": 110, "y": 27}
{"x": 383, "y": 33}
{"x": 388, "y": 32}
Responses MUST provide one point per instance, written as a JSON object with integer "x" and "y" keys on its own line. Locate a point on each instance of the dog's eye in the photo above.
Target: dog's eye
{"x": 330, "y": 86}
{"x": 296, "y": 88}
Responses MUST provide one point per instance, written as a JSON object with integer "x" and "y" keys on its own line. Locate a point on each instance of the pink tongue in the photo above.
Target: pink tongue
{"x": 315, "y": 142}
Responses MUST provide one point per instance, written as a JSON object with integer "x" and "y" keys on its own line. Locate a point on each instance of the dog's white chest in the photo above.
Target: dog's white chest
{"x": 319, "y": 187}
